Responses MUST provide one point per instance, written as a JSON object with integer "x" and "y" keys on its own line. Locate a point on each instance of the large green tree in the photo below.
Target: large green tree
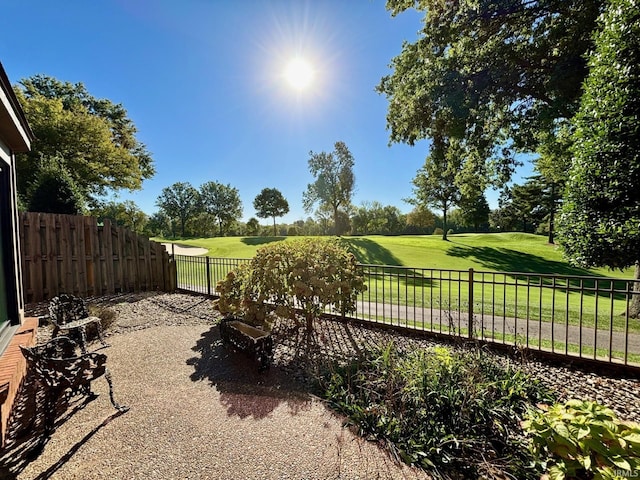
{"x": 94, "y": 137}
{"x": 492, "y": 74}
{"x": 271, "y": 203}
{"x": 435, "y": 184}
{"x": 180, "y": 201}
{"x": 600, "y": 221}
{"x": 334, "y": 184}
{"x": 474, "y": 210}
{"x": 222, "y": 202}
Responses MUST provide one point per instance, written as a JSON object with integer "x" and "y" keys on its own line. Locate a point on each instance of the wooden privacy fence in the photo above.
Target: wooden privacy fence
{"x": 73, "y": 254}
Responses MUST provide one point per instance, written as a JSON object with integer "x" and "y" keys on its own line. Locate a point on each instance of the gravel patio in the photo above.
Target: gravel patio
{"x": 201, "y": 412}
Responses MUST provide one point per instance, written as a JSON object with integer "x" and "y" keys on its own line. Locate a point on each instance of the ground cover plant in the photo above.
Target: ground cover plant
{"x": 454, "y": 412}
{"x": 583, "y": 439}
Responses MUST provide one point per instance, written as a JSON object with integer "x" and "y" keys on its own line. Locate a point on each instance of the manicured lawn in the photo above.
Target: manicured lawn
{"x": 503, "y": 252}
{"x": 506, "y": 252}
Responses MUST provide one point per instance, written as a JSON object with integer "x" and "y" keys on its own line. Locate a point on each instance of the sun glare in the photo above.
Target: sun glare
{"x": 299, "y": 73}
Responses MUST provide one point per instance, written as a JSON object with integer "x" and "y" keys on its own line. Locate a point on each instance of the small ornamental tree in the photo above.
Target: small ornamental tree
{"x": 55, "y": 191}
{"x": 303, "y": 276}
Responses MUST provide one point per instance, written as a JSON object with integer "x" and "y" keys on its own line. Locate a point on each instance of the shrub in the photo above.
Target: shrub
{"x": 306, "y": 275}
{"x": 438, "y": 231}
{"x": 450, "y": 231}
{"x": 454, "y": 413}
{"x": 583, "y": 439}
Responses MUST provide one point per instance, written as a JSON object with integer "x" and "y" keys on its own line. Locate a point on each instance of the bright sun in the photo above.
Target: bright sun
{"x": 299, "y": 73}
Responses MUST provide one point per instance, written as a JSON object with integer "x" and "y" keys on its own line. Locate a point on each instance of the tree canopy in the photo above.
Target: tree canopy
{"x": 435, "y": 184}
{"x": 334, "y": 183}
{"x": 126, "y": 214}
{"x": 493, "y": 75}
{"x": 93, "y": 138}
{"x": 222, "y": 202}
{"x": 600, "y": 221}
{"x": 271, "y": 203}
{"x": 180, "y": 201}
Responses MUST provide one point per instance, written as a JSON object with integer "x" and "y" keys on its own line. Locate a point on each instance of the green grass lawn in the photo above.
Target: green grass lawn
{"x": 503, "y": 252}
{"x": 506, "y": 252}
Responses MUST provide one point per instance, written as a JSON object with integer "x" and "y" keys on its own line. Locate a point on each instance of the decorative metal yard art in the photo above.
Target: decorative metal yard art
{"x": 64, "y": 375}
{"x": 252, "y": 341}
{"x": 68, "y": 312}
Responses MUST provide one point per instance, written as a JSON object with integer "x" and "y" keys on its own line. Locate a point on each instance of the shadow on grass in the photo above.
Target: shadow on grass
{"x": 507, "y": 260}
{"x": 371, "y": 253}
{"x": 244, "y": 391}
{"x": 261, "y": 240}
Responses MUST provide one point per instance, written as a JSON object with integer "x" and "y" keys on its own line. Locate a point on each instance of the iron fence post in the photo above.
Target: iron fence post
{"x": 208, "y": 276}
{"x": 471, "y": 303}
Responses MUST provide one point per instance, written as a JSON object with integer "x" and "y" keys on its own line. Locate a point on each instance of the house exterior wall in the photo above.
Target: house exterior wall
{"x": 15, "y": 136}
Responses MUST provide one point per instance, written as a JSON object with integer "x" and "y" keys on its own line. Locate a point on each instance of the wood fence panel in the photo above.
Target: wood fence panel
{"x": 50, "y": 255}
{"x": 74, "y": 254}
{"x": 65, "y": 264}
{"x": 109, "y": 266}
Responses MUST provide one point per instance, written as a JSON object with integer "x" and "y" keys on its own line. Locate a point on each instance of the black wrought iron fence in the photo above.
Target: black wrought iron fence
{"x": 587, "y": 317}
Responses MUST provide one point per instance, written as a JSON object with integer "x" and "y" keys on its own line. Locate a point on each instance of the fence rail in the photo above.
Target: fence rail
{"x": 575, "y": 316}
{"x": 73, "y": 254}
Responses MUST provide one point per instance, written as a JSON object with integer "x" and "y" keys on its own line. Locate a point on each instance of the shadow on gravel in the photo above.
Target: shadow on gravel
{"x": 299, "y": 359}
{"x": 27, "y": 435}
{"x": 243, "y": 391}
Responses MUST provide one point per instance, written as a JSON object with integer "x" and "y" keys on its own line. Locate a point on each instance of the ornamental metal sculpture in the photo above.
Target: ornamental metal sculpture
{"x": 252, "y": 341}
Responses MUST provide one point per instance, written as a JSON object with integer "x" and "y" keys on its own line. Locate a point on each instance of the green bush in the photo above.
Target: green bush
{"x": 583, "y": 439}
{"x": 454, "y": 413}
{"x": 438, "y": 231}
{"x": 304, "y": 276}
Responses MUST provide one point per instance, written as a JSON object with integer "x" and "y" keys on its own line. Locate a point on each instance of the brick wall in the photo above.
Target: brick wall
{"x": 12, "y": 370}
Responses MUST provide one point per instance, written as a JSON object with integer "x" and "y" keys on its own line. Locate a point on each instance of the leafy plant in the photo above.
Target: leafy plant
{"x": 583, "y": 438}
{"x": 454, "y": 413}
{"x": 304, "y": 276}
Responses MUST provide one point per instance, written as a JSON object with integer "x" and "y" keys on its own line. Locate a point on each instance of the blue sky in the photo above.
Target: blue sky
{"x": 203, "y": 82}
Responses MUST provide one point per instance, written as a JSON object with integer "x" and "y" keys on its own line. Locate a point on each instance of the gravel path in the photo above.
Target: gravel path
{"x": 200, "y": 412}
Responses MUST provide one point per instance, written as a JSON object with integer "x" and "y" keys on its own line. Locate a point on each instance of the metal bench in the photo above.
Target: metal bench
{"x": 252, "y": 341}
{"x": 63, "y": 374}
{"x": 69, "y": 313}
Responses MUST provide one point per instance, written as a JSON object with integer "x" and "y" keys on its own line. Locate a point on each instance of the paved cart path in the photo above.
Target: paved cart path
{"x": 491, "y": 326}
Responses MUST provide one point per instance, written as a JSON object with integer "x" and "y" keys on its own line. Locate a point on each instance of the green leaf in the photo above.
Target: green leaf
{"x": 621, "y": 462}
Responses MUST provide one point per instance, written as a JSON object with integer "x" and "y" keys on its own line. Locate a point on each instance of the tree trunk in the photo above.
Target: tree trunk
{"x": 274, "y": 227}
{"x": 220, "y": 222}
{"x": 444, "y": 224}
{"x": 551, "y": 225}
{"x": 552, "y": 212}
{"x": 634, "y": 302}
